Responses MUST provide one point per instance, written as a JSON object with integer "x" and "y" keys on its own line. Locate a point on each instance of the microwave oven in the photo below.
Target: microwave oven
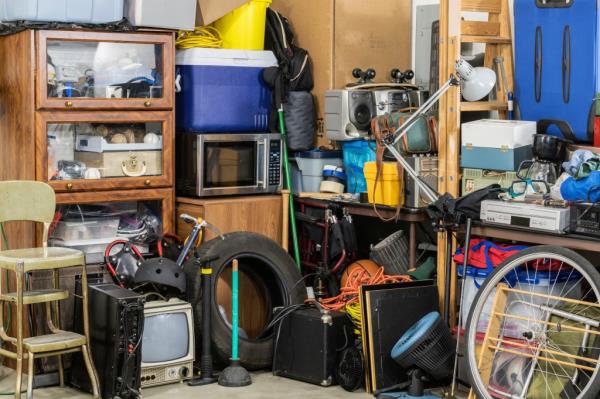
{"x": 228, "y": 164}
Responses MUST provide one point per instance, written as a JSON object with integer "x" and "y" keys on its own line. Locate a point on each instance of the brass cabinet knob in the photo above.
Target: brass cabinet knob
{"x": 69, "y": 103}
{"x": 147, "y": 182}
{"x": 69, "y": 186}
{"x": 147, "y": 104}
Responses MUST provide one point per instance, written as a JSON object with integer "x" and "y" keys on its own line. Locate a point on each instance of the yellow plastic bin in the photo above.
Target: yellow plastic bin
{"x": 389, "y": 186}
{"x": 244, "y": 27}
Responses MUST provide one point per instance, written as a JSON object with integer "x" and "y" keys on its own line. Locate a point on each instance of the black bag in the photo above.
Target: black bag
{"x": 294, "y": 62}
{"x": 300, "y": 120}
{"x": 458, "y": 210}
{"x": 294, "y": 74}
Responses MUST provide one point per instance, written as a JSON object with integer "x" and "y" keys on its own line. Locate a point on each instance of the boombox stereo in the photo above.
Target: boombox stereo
{"x": 348, "y": 112}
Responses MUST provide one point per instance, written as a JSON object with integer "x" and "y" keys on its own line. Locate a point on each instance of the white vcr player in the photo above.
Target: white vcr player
{"x": 524, "y": 215}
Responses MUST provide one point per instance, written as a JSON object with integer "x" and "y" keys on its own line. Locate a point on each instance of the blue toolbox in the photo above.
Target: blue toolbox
{"x": 557, "y": 63}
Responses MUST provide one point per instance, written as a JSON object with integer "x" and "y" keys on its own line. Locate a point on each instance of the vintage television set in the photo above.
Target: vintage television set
{"x": 167, "y": 342}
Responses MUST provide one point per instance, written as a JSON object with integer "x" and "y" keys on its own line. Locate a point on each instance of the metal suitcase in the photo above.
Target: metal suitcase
{"x": 556, "y": 63}
{"x": 307, "y": 345}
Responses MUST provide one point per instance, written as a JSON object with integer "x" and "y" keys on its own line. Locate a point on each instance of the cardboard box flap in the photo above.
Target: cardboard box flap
{"x": 209, "y": 11}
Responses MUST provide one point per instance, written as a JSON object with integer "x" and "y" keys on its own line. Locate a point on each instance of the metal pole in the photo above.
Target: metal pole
{"x": 288, "y": 183}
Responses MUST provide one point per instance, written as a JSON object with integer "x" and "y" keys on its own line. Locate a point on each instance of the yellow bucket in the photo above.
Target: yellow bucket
{"x": 244, "y": 27}
{"x": 389, "y": 186}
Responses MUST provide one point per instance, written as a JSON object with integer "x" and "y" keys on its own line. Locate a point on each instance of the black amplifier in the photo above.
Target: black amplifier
{"x": 116, "y": 328}
{"x": 585, "y": 219}
{"x": 308, "y": 343}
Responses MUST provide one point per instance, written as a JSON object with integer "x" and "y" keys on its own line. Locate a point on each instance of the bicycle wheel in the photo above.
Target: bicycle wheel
{"x": 534, "y": 328}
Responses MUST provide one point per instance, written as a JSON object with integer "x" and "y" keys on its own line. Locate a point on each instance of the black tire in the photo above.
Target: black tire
{"x": 593, "y": 277}
{"x": 267, "y": 262}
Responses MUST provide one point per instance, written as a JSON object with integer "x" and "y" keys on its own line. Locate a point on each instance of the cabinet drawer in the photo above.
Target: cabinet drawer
{"x": 80, "y": 151}
{"x": 104, "y": 70}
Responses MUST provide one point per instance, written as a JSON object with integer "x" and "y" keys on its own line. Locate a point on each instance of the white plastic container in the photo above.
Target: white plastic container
{"x": 494, "y": 133}
{"x": 168, "y": 14}
{"x": 474, "y": 279}
{"x": 90, "y": 229}
{"x": 80, "y": 11}
{"x": 311, "y": 164}
{"x": 93, "y": 249}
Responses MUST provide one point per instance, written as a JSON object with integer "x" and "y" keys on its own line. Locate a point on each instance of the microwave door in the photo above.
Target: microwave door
{"x": 231, "y": 167}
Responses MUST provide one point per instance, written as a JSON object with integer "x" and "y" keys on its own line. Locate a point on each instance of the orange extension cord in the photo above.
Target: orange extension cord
{"x": 356, "y": 278}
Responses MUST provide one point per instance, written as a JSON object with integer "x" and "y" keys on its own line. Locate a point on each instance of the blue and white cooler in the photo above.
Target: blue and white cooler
{"x": 222, "y": 91}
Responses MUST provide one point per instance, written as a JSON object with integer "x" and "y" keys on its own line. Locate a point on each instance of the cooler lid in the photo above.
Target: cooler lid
{"x": 225, "y": 57}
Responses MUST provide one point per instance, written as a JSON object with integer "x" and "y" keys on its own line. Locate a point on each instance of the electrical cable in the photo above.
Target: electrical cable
{"x": 201, "y": 36}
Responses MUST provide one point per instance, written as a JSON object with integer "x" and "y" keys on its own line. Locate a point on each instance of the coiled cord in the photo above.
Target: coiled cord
{"x": 202, "y": 36}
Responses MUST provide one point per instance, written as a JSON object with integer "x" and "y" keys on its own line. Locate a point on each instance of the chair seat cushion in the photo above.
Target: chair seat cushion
{"x": 41, "y": 258}
{"x": 54, "y": 342}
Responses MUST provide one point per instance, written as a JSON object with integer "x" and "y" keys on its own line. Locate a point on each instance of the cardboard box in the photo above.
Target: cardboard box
{"x": 341, "y": 35}
{"x": 208, "y": 11}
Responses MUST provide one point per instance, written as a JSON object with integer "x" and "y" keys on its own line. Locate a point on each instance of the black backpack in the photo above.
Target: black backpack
{"x": 291, "y": 82}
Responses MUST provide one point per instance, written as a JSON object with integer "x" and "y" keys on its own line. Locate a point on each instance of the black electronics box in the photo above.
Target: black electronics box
{"x": 308, "y": 343}
{"x": 585, "y": 219}
{"x": 116, "y": 324}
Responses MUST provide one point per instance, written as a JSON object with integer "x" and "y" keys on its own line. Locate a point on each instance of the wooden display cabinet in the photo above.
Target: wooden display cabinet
{"x": 87, "y": 83}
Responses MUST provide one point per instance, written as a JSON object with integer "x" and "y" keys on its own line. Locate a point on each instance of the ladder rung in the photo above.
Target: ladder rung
{"x": 491, "y": 6}
{"x": 483, "y": 106}
{"x": 485, "y": 39}
{"x": 479, "y": 28}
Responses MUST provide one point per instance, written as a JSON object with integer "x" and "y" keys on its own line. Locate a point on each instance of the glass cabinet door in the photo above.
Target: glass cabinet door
{"x": 86, "y": 70}
{"x": 107, "y": 153}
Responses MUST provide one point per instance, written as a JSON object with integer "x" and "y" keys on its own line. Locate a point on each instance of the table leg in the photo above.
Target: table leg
{"x": 412, "y": 245}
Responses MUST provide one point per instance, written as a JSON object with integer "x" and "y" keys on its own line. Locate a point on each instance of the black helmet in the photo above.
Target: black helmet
{"x": 162, "y": 273}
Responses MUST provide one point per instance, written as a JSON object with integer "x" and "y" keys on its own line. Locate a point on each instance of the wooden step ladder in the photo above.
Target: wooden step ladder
{"x": 495, "y": 33}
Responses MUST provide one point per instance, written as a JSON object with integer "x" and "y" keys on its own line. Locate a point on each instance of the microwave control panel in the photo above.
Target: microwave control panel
{"x": 274, "y": 163}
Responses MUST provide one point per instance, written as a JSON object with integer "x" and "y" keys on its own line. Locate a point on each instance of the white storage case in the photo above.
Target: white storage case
{"x": 168, "y": 14}
{"x": 79, "y": 11}
{"x": 99, "y": 144}
{"x": 496, "y": 133}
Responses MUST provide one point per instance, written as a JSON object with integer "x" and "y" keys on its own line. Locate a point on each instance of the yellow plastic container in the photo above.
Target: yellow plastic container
{"x": 244, "y": 27}
{"x": 389, "y": 186}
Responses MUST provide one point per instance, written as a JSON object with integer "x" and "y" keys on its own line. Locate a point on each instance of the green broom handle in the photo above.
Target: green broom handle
{"x": 288, "y": 183}
{"x": 234, "y": 310}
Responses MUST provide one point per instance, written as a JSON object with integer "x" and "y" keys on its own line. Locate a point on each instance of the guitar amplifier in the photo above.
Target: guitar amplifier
{"x": 116, "y": 328}
{"x": 427, "y": 169}
{"x": 307, "y": 345}
{"x": 585, "y": 219}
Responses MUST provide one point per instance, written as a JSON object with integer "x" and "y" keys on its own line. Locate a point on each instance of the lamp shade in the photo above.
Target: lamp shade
{"x": 475, "y": 83}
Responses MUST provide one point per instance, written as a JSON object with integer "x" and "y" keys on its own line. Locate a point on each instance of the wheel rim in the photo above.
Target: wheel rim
{"x": 543, "y": 336}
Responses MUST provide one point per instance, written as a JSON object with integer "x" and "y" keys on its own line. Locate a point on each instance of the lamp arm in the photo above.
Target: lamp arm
{"x": 403, "y": 129}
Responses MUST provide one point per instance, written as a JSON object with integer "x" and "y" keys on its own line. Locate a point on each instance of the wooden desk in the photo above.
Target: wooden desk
{"x": 410, "y": 215}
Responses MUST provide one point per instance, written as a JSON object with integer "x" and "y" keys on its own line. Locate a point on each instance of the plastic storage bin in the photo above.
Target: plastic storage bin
{"x": 168, "y": 14}
{"x": 311, "y": 164}
{"x": 222, "y": 91}
{"x": 244, "y": 27}
{"x": 80, "y": 11}
{"x": 90, "y": 229}
{"x": 389, "y": 186}
{"x": 93, "y": 249}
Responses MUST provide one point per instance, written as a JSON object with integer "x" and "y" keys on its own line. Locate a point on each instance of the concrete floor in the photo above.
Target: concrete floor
{"x": 264, "y": 386}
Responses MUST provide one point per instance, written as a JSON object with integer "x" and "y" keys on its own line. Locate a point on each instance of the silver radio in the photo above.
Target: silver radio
{"x": 348, "y": 113}
{"x": 392, "y": 100}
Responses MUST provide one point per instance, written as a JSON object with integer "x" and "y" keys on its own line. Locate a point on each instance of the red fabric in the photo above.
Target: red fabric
{"x": 597, "y": 131}
{"x": 484, "y": 254}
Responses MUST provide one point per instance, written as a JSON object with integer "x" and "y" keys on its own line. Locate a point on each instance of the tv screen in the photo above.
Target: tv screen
{"x": 165, "y": 337}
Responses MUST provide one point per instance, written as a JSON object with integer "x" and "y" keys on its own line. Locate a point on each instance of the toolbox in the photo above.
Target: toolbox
{"x": 476, "y": 179}
{"x": 308, "y": 343}
{"x": 496, "y": 144}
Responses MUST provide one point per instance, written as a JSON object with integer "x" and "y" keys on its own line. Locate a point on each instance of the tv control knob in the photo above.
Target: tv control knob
{"x": 184, "y": 371}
